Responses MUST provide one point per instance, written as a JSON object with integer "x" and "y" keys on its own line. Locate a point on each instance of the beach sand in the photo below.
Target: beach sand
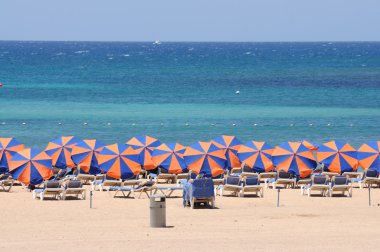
{"x": 238, "y": 224}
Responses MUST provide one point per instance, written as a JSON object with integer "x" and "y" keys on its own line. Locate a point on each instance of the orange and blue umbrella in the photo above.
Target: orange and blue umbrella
{"x": 8, "y": 147}
{"x": 60, "y": 151}
{"x": 206, "y": 158}
{"x": 294, "y": 157}
{"x": 310, "y": 145}
{"x": 231, "y": 144}
{"x": 31, "y": 166}
{"x": 257, "y": 155}
{"x": 338, "y": 157}
{"x": 119, "y": 161}
{"x": 145, "y": 146}
{"x": 86, "y": 153}
{"x": 170, "y": 157}
{"x": 369, "y": 156}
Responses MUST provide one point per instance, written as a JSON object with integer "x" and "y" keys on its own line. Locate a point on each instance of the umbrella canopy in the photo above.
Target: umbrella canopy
{"x": 119, "y": 161}
{"x": 257, "y": 155}
{"x": 60, "y": 151}
{"x": 338, "y": 157}
{"x": 170, "y": 157}
{"x": 294, "y": 157}
{"x": 310, "y": 145}
{"x": 8, "y": 147}
{"x": 86, "y": 153}
{"x": 145, "y": 146}
{"x": 31, "y": 166}
{"x": 206, "y": 158}
{"x": 369, "y": 156}
{"x": 231, "y": 144}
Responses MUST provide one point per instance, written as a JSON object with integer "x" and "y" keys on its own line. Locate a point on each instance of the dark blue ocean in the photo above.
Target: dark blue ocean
{"x": 186, "y": 92}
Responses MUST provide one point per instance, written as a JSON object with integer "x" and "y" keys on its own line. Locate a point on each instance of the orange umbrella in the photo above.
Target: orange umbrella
{"x": 8, "y": 147}
{"x": 31, "y": 166}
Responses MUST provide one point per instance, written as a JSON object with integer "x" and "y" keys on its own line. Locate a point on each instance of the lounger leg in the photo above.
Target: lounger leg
{"x": 308, "y": 192}
{"x": 42, "y": 196}
{"x": 34, "y": 195}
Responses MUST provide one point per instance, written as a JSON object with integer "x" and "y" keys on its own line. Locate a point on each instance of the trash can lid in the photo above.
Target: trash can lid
{"x": 157, "y": 197}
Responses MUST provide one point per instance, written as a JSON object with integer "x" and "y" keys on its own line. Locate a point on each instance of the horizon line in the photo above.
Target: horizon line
{"x": 199, "y": 41}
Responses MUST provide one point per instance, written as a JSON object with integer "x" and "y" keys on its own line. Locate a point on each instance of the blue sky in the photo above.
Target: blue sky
{"x": 192, "y": 20}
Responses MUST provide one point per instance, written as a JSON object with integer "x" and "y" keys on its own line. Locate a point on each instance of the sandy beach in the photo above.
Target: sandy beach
{"x": 239, "y": 224}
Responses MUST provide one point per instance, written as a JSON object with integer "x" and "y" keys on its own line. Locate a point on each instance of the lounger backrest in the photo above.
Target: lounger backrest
{"x": 74, "y": 184}
{"x": 4, "y": 176}
{"x": 61, "y": 173}
{"x": 246, "y": 168}
{"x": 192, "y": 175}
{"x": 202, "y": 188}
{"x": 232, "y": 180}
{"x": 252, "y": 180}
{"x": 148, "y": 183}
{"x": 109, "y": 178}
{"x": 371, "y": 173}
{"x": 52, "y": 184}
{"x": 285, "y": 175}
{"x": 340, "y": 180}
{"x": 320, "y": 180}
{"x": 161, "y": 170}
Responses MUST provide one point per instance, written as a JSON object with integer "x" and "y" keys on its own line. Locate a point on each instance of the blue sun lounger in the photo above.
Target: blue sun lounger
{"x": 199, "y": 191}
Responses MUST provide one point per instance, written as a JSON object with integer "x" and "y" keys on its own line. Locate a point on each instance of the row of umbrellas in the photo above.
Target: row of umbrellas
{"x": 210, "y": 158}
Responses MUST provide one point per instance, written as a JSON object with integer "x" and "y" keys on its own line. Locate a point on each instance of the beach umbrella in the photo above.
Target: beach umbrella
{"x": 31, "y": 166}
{"x": 369, "y": 156}
{"x": 8, "y": 147}
{"x": 231, "y": 144}
{"x": 170, "y": 157}
{"x": 310, "y": 145}
{"x": 294, "y": 157}
{"x": 206, "y": 158}
{"x": 338, "y": 157}
{"x": 145, "y": 146}
{"x": 60, "y": 151}
{"x": 119, "y": 161}
{"x": 257, "y": 155}
{"x": 85, "y": 154}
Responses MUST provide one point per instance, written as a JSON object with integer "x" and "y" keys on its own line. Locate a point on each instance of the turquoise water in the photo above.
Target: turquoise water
{"x": 185, "y": 92}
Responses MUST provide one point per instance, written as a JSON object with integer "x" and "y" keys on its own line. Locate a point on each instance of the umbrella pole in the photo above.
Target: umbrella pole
{"x": 369, "y": 195}
{"x": 91, "y": 199}
{"x": 278, "y": 197}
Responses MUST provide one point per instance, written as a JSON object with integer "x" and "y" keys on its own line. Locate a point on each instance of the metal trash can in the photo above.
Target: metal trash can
{"x": 157, "y": 211}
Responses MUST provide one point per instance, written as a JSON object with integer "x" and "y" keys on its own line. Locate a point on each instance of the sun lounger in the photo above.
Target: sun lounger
{"x": 6, "y": 182}
{"x": 330, "y": 175}
{"x": 300, "y": 182}
{"x": 84, "y": 178}
{"x": 168, "y": 190}
{"x": 182, "y": 176}
{"x": 251, "y": 184}
{"x": 74, "y": 187}
{"x": 231, "y": 184}
{"x": 246, "y": 171}
{"x": 218, "y": 180}
{"x": 267, "y": 178}
{"x": 163, "y": 175}
{"x": 236, "y": 170}
{"x": 105, "y": 181}
{"x": 341, "y": 184}
{"x": 199, "y": 191}
{"x": 318, "y": 183}
{"x": 284, "y": 179}
{"x": 144, "y": 187}
{"x": 370, "y": 178}
{"x": 51, "y": 188}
